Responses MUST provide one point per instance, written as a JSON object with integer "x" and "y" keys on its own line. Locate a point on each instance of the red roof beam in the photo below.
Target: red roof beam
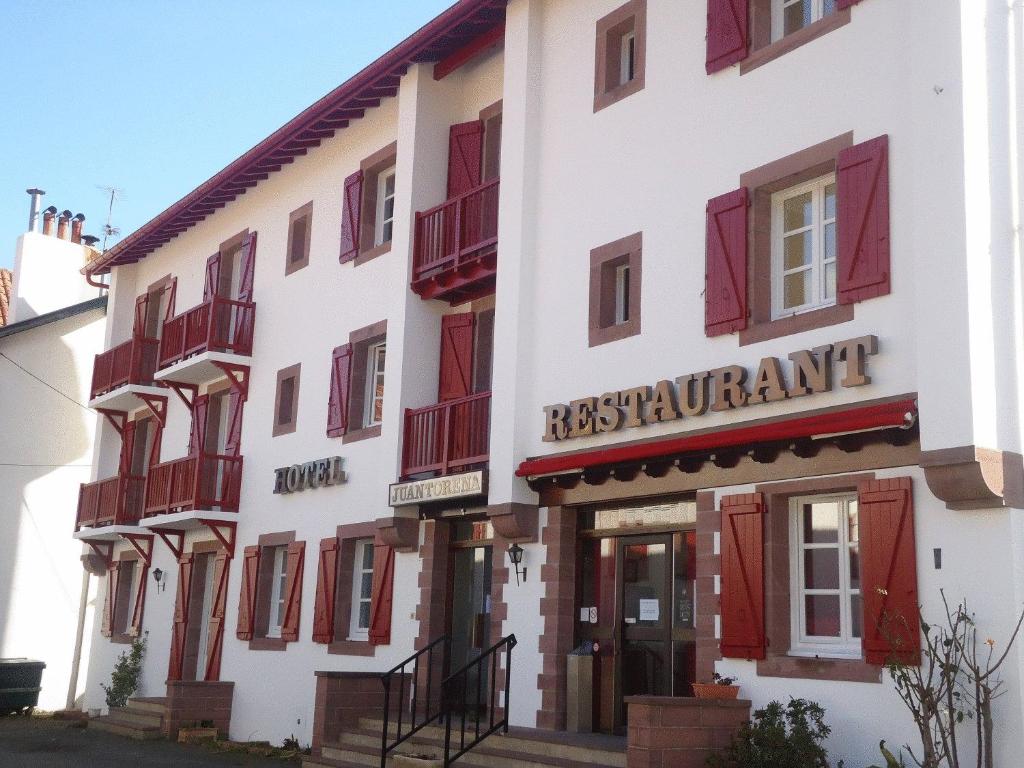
{"x": 478, "y": 46}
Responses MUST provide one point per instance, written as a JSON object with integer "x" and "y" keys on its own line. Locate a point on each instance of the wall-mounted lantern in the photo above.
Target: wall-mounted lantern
{"x": 515, "y": 554}
{"x": 158, "y": 577}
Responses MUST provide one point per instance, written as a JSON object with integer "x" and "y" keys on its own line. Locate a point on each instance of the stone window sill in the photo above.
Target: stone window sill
{"x": 351, "y": 648}
{"x": 267, "y": 644}
{"x": 365, "y": 433}
{"x": 787, "y": 326}
{"x": 795, "y": 40}
{"x": 817, "y": 668}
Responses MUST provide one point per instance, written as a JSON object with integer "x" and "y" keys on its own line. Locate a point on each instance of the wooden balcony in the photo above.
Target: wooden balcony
{"x": 448, "y": 437}
{"x": 133, "y": 362}
{"x": 114, "y": 501}
{"x": 456, "y": 252}
{"x": 216, "y": 325}
{"x": 206, "y": 481}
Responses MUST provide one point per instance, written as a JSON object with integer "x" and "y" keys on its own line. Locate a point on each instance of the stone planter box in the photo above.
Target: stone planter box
{"x": 411, "y": 761}
{"x": 194, "y": 735}
{"x": 715, "y": 691}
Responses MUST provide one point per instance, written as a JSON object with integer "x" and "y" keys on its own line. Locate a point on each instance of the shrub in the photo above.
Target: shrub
{"x": 779, "y": 736}
{"x": 124, "y": 680}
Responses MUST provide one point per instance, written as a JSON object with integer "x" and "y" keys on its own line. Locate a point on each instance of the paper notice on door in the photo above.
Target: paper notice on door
{"x": 649, "y": 610}
{"x": 584, "y": 614}
{"x": 593, "y": 614}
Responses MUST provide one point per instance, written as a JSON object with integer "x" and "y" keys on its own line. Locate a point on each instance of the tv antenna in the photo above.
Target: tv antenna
{"x": 108, "y": 229}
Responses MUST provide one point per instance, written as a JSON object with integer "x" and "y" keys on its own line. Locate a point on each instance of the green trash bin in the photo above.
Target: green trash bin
{"x": 20, "y": 683}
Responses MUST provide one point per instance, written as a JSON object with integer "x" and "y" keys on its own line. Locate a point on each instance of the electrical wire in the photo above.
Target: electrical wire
{"x": 44, "y": 383}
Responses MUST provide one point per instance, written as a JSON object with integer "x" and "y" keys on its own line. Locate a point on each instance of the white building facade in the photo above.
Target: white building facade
{"x": 730, "y": 356}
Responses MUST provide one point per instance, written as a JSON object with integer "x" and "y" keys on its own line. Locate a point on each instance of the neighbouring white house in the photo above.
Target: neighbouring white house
{"x": 55, "y": 324}
{"x": 686, "y": 334}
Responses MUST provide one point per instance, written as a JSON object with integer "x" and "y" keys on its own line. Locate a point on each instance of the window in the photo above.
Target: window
{"x": 825, "y": 564}
{"x": 373, "y": 403}
{"x": 788, "y": 16}
{"x": 362, "y": 589}
{"x": 385, "y": 219}
{"x": 804, "y": 247}
{"x": 278, "y": 588}
{"x": 286, "y": 401}
{"x": 300, "y": 226}
{"x": 620, "y": 54}
{"x": 615, "y": 290}
{"x": 124, "y": 600}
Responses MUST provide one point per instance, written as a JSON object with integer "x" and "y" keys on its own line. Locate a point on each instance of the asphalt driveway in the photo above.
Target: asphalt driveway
{"x": 35, "y": 742}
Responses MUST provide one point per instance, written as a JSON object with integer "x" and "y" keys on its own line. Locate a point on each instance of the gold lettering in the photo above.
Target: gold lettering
{"x": 581, "y": 416}
{"x": 609, "y": 417}
{"x": 855, "y": 353}
{"x": 812, "y": 371}
{"x": 729, "y": 388}
{"x": 694, "y": 391}
{"x": 663, "y": 402}
{"x": 555, "y": 427}
{"x": 768, "y": 385}
{"x": 634, "y": 399}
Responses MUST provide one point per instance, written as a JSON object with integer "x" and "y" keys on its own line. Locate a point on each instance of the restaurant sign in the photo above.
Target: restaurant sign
{"x": 438, "y": 489}
{"x": 720, "y": 389}
{"x": 312, "y": 474}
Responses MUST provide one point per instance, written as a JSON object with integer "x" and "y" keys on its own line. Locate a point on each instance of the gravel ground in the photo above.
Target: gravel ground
{"x": 38, "y": 742}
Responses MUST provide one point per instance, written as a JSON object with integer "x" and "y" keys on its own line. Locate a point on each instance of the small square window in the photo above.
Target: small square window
{"x": 621, "y": 53}
{"x": 385, "y": 219}
{"x": 789, "y": 16}
{"x": 615, "y": 290}
{"x": 286, "y": 401}
{"x": 377, "y": 203}
{"x": 804, "y": 247}
{"x": 373, "y": 402}
{"x": 278, "y": 557}
{"x": 365, "y": 412}
{"x": 362, "y": 590}
{"x": 300, "y": 225}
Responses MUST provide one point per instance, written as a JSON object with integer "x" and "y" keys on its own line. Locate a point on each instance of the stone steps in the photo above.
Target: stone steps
{"x": 142, "y": 719}
{"x": 111, "y": 724}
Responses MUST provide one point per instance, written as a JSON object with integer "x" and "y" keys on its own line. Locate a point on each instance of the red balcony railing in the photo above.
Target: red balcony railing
{"x": 194, "y": 482}
{"x": 456, "y": 231}
{"x": 114, "y": 501}
{"x": 447, "y": 437}
{"x": 133, "y": 362}
{"x": 216, "y": 325}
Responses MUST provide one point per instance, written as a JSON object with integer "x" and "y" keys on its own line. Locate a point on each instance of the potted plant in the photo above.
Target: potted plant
{"x": 719, "y": 688}
{"x": 196, "y": 732}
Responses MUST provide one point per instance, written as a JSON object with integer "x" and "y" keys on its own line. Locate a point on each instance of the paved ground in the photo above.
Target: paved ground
{"x": 43, "y": 743}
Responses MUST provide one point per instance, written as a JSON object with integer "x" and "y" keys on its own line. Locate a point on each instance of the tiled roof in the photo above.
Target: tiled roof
{"x": 6, "y": 291}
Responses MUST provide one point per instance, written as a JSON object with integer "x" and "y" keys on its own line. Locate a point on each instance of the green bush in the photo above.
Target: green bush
{"x": 779, "y": 737}
{"x": 124, "y": 680}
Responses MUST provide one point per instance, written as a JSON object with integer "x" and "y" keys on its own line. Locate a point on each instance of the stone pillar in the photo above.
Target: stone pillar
{"x": 670, "y": 732}
{"x": 194, "y": 701}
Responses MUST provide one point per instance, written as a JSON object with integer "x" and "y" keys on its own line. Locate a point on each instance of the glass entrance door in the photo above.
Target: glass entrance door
{"x": 469, "y": 595}
{"x": 645, "y": 631}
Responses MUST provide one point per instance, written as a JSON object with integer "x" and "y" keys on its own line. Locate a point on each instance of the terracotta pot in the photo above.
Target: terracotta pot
{"x": 715, "y": 691}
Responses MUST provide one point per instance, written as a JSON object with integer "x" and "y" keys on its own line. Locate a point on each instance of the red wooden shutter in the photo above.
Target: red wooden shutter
{"x": 456, "y": 357}
{"x": 842, "y": 4}
{"x": 197, "y": 436}
{"x": 293, "y": 590}
{"x": 236, "y": 403}
{"x": 888, "y": 571}
{"x": 212, "y": 285}
{"x": 182, "y": 607}
{"x": 172, "y": 298}
{"x": 862, "y": 195}
{"x": 141, "y": 310}
{"x": 127, "y": 448}
{"x": 351, "y": 209}
{"x": 110, "y": 600}
{"x": 247, "y": 269}
{"x": 326, "y": 591}
{"x": 743, "y": 576}
{"x": 218, "y": 609}
{"x": 337, "y": 403}
{"x": 247, "y": 596}
{"x": 465, "y": 157}
{"x": 135, "y": 627}
{"x": 725, "y": 280}
{"x": 157, "y": 428}
{"x": 727, "y": 33}
{"x": 381, "y": 594}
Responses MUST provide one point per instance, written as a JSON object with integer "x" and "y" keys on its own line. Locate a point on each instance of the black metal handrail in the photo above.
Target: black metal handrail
{"x": 456, "y": 703}
{"x": 430, "y": 713}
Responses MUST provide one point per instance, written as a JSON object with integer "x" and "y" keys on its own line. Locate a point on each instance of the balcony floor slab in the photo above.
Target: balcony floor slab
{"x": 126, "y": 398}
{"x": 187, "y": 521}
{"x": 201, "y": 368}
{"x": 105, "y": 533}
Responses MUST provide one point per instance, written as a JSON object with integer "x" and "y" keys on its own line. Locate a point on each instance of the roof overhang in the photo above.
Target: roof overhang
{"x": 891, "y": 414}
{"x": 447, "y": 34}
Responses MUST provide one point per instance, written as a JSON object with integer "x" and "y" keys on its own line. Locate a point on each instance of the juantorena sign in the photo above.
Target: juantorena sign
{"x": 721, "y": 389}
{"x": 312, "y": 474}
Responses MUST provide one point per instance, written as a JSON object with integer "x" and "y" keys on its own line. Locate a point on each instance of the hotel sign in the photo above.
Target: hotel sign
{"x": 312, "y": 474}
{"x": 438, "y": 489}
{"x": 720, "y": 389}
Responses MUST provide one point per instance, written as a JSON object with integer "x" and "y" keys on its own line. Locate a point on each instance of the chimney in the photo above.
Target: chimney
{"x": 62, "y": 224}
{"x": 33, "y": 211}
{"x": 90, "y": 240}
{"x": 76, "y": 227}
{"x": 48, "y": 216}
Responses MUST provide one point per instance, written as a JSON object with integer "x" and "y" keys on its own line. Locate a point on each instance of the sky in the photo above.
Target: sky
{"x": 155, "y": 96}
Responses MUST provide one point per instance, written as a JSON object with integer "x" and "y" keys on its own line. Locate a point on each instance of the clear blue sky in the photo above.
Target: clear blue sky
{"x": 155, "y": 96}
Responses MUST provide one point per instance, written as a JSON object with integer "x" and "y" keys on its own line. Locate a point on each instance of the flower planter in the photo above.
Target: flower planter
{"x": 715, "y": 691}
{"x": 417, "y": 761}
{"x": 194, "y": 735}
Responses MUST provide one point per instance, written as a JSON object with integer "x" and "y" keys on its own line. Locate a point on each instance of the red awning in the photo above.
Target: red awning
{"x": 898, "y": 413}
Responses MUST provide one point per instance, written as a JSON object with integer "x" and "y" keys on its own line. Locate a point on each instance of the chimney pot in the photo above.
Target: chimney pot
{"x": 76, "y": 227}
{"x": 48, "y": 216}
{"x": 90, "y": 240}
{"x": 33, "y": 211}
{"x": 62, "y": 224}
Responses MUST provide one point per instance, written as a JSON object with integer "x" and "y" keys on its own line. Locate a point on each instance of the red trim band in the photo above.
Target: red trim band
{"x": 879, "y": 416}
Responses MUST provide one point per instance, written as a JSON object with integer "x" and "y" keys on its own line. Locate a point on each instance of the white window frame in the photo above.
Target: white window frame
{"x": 778, "y": 14}
{"x": 278, "y": 585}
{"x": 376, "y": 356}
{"x": 384, "y": 226}
{"x": 627, "y": 57}
{"x": 356, "y": 632}
{"x": 622, "y": 308}
{"x": 818, "y": 265}
{"x": 802, "y": 644}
